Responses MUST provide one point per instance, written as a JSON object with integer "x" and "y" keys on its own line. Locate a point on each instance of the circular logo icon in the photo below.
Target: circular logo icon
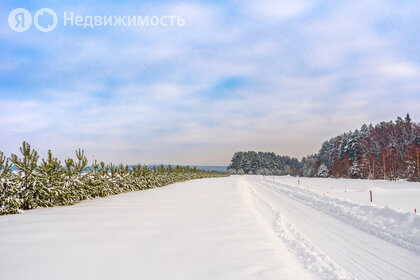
{"x": 20, "y": 20}
{"x": 45, "y": 20}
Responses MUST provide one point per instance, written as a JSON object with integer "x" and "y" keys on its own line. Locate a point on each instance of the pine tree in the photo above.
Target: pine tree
{"x": 9, "y": 200}
{"x": 51, "y": 174}
{"x": 411, "y": 172}
{"x": 323, "y": 171}
{"x": 355, "y": 171}
{"x": 69, "y": 193}
{"x": 80, "y": 165}
{"x": 4, "y": 166}
{"x": 32, "y": 191}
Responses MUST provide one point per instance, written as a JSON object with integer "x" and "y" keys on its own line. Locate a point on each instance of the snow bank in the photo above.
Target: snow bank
{"x": 399, "y": 194}
{"x": 399, "y": 227}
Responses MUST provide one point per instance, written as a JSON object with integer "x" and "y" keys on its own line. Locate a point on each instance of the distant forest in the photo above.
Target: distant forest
{"x": 388, "y": 150}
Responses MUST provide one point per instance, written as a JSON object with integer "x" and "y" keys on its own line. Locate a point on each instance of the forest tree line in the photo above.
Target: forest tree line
{"x": 262, "y": 163}
{"x": 30, "y": 183}
{"x": 388, "y": 150}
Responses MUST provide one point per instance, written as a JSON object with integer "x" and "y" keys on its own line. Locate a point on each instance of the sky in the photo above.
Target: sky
{"x": 262, "y": 75}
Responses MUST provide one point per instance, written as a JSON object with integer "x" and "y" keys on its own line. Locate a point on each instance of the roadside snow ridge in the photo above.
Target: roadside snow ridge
{"x": 398, "y": 227}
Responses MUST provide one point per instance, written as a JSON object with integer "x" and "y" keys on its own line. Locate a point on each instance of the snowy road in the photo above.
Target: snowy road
{"x": 225, "y": 228}
{"x": 358, "y": 253}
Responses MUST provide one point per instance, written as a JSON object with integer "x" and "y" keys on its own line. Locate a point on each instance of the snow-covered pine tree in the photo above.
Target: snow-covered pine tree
{"x": 70, "y": 194}
{"x": 9, "y": 199}
{"x": 323, "y": 171}
{"x": 355, "y": 171}
{"x": 80, "y": 165}
{"x": 32, "y": 191}
{"x": 52, "y": 177}
{"x": 411, "y": 170}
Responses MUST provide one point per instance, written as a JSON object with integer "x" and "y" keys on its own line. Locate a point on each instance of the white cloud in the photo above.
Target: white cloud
{"x": 277, "y": 9}
{"x": 401, "y": 70}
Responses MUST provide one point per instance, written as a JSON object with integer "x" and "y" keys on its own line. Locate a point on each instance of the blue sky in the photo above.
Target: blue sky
{"x": 278, "y": 76}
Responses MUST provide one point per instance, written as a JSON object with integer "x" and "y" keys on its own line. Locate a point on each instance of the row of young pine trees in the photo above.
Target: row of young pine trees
{"x": 30, "y": 184}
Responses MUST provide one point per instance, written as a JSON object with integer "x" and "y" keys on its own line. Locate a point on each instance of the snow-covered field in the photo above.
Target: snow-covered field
{"x": 396, "y": 194}
{"x": 240, "y": 227}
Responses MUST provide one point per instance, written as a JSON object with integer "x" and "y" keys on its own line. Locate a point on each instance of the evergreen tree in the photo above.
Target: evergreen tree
{"x": 9, "y": 200}
{"x": 32, "y": 191}
{"x": 51, "y": 174}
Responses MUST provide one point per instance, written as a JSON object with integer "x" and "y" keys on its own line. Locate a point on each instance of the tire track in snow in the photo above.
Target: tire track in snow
{"x": 360, "y": 216}
{"x": 366, "y": 256}
{"x": 312, "y": 258}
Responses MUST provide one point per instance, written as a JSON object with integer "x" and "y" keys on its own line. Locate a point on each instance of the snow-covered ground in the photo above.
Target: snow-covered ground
{"x": 396, "y": 194}
{"x": 338, "y": 238}
{"x": 240, "y": 227}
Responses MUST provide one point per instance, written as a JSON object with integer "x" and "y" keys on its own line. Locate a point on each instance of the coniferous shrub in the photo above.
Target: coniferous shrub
{"x": 51, "y": 183}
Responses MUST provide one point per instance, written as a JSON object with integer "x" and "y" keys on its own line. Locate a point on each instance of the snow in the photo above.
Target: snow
{"x": 401, "y": 228}
{"x": 359, "y": 253}
{"x": 310, "y": 256}
{"x": 399, "y": 194}
{"x": 239, "y": 227}
{"x": 200, "y": 229}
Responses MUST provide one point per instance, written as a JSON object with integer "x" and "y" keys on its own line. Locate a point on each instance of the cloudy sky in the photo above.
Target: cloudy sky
{"x": 278, "y": 76}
